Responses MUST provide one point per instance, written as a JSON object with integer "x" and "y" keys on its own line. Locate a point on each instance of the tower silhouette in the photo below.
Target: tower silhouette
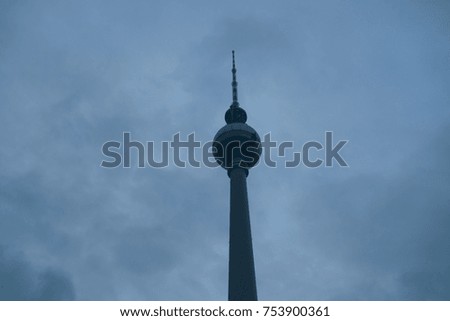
{"x": 237, "y": 148}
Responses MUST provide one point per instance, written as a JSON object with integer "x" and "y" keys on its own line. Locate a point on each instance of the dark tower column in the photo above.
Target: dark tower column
{"x": 237, "y": 149}
{"x": 241, "y": 273}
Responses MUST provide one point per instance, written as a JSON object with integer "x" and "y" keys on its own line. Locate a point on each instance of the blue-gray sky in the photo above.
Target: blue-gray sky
{"x": 76, "y": 74}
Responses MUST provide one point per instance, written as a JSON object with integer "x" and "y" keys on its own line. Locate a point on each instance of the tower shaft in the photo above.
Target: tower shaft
{"x": 241, "y": 277}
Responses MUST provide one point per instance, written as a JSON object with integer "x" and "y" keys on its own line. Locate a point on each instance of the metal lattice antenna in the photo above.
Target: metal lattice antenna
{"x": 234, "y": 85}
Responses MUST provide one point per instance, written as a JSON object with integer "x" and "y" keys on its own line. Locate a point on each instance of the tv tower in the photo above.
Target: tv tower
{"x": 237, "y": 148}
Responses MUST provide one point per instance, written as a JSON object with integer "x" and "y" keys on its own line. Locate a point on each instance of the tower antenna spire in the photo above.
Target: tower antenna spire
{"x": 234, "y": 84}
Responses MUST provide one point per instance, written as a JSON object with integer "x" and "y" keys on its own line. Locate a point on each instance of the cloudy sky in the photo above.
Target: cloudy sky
{"x": 75, "y": 74}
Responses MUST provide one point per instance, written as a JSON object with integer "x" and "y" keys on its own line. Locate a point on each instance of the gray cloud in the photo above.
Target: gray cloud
{"x": 19, "y": 280}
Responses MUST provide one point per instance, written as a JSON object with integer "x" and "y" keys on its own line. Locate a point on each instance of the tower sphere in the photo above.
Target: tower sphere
{"x": 237, "y": 145}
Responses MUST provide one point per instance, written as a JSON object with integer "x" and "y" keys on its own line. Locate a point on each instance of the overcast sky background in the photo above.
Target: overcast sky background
{"x": 76, "y": 74}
